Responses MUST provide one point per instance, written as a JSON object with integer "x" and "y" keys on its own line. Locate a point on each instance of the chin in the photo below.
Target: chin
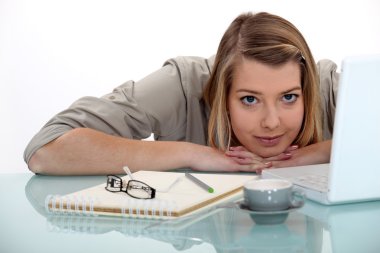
{"x": 269, "y": 152}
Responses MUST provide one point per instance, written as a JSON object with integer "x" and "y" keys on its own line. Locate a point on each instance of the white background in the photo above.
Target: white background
{"x": 53, "y": 52}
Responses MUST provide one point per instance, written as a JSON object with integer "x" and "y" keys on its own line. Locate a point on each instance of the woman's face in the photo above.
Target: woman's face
{"x": 265, "y": 106}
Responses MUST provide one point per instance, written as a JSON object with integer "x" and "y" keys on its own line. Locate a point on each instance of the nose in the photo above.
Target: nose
{"x": 270, "y": 119}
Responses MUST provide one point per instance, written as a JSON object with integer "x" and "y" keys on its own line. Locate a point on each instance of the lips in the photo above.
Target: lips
{"x": 269, "y": 141}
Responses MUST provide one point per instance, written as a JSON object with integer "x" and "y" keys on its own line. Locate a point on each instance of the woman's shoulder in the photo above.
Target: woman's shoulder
{"x": 329, "y": 81}
{"x": 193, "y": 71}
{"x": 328, "y": 74}
{"x": 192, "y": 62}
{"x": 326, "y": 66}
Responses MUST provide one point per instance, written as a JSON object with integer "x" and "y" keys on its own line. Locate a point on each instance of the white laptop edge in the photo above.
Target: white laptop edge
{"x": 356, "y": 141}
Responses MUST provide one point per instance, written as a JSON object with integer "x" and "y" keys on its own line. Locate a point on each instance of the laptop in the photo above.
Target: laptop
{"x": 353, "y": 174}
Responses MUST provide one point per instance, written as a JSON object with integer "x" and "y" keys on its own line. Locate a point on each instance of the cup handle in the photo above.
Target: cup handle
{"x": 298, "y": 198}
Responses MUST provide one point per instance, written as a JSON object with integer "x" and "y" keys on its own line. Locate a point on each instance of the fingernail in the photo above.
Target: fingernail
{"x": 286, "y": 156}
{"x": 268, "y": 164}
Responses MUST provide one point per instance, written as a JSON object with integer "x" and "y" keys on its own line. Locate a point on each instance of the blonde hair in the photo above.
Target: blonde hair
{"x": 271, "y": 40}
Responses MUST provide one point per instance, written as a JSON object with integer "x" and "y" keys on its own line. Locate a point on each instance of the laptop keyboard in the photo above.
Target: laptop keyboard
{"x": 313, "y": 181}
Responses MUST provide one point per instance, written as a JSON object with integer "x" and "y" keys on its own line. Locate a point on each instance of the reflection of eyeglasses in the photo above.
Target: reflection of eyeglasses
{"x": 134, "y": 188}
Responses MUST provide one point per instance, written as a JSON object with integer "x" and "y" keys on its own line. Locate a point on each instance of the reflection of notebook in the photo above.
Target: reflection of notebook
{"x": 173, "y": 231}
{"x": 354, "y": 171}
{"x": 184, "y": 198}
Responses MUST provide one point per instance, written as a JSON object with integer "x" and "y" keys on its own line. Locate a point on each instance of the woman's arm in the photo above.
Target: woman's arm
{"x": 133, "y": 110}
{"x": 84, "y": 151}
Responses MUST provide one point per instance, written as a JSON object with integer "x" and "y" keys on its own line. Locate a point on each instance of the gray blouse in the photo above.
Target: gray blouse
{"x": 167, "y": 103}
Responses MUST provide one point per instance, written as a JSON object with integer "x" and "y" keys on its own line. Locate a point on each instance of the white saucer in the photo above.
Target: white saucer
{"x": 266, "y": 217}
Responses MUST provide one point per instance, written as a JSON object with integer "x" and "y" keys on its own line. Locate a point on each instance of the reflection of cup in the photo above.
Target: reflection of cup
{"x": 276, "y": 239}
{"x": 272, "y": 195}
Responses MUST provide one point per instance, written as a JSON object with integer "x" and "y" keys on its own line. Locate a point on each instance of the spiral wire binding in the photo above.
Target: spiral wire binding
{"x": 84, "y": 205}
{"x": 75, "y": 202}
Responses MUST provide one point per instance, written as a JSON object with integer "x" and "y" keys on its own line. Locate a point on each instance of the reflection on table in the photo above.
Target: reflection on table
{"x": 226, "y": 229}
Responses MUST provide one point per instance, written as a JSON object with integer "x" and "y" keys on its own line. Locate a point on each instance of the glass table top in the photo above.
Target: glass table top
{"x": 27, "y": 227}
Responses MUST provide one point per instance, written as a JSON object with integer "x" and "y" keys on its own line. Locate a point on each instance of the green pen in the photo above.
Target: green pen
{"x": 199, "y": 183}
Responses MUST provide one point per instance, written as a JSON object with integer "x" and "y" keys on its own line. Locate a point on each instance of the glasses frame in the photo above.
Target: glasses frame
{"x": 113, "y": 178}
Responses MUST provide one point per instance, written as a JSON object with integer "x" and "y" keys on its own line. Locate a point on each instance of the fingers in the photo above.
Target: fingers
{"x": 242, "y": 161}
{"x": 246, "y": 157}
{"x": 238, "y": 148}
{"x": 256, "y": 167}
{"x": 248, "y": 162}
{"x": 253, "y": 163}
{"x": 243, "y": 154}
{"x": 280, "y": 157}
{"x": 286, "y": 155}
{"x": 291, "y": 148}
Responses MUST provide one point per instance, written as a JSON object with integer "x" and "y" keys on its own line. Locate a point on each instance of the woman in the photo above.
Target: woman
{"x": 258, "y": 108}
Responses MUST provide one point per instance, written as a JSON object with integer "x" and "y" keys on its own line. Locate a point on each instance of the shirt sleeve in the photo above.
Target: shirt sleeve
{"x": 132, "y": 110}
{"x": 329, "y": 82}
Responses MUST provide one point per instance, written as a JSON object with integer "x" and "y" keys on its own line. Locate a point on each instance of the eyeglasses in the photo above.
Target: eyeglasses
{"x": 134, "y": 188}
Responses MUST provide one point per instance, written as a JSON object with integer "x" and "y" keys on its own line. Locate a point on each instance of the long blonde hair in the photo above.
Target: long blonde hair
{"x": 272, "y": 40}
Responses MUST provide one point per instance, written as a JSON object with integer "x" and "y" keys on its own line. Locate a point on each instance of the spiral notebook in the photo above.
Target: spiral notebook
{"x": 183, "y": 199}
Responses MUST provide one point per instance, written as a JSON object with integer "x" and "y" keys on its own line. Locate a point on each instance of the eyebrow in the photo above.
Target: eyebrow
{"x": 260, "y": 93}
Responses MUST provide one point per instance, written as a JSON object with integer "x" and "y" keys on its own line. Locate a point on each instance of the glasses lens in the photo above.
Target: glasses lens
{"x": 140, "y": 190}
{"x": 114, "y": 183}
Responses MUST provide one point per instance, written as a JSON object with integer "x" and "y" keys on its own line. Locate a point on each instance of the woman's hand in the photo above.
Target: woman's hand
{"x": 211, "y": 159}
{"x": 243, "y": 156}
{"x": 293, "y": 156}
{"x": 313, "y": 154}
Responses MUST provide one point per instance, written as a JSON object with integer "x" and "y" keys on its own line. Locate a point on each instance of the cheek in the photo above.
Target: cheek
{"x": 241, "y": 120}
{"x": 294, "y": 118}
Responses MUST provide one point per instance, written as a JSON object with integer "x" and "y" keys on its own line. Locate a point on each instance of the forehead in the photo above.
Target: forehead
{"x": 264, "y": 78}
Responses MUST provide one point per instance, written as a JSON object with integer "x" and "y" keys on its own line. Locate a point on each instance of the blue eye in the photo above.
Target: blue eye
{"x": 290, "y": 98}
{"x": 249, "y": 100}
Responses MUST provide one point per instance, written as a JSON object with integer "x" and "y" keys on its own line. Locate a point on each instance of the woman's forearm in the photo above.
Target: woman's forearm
{"x": 85, "y": 151}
